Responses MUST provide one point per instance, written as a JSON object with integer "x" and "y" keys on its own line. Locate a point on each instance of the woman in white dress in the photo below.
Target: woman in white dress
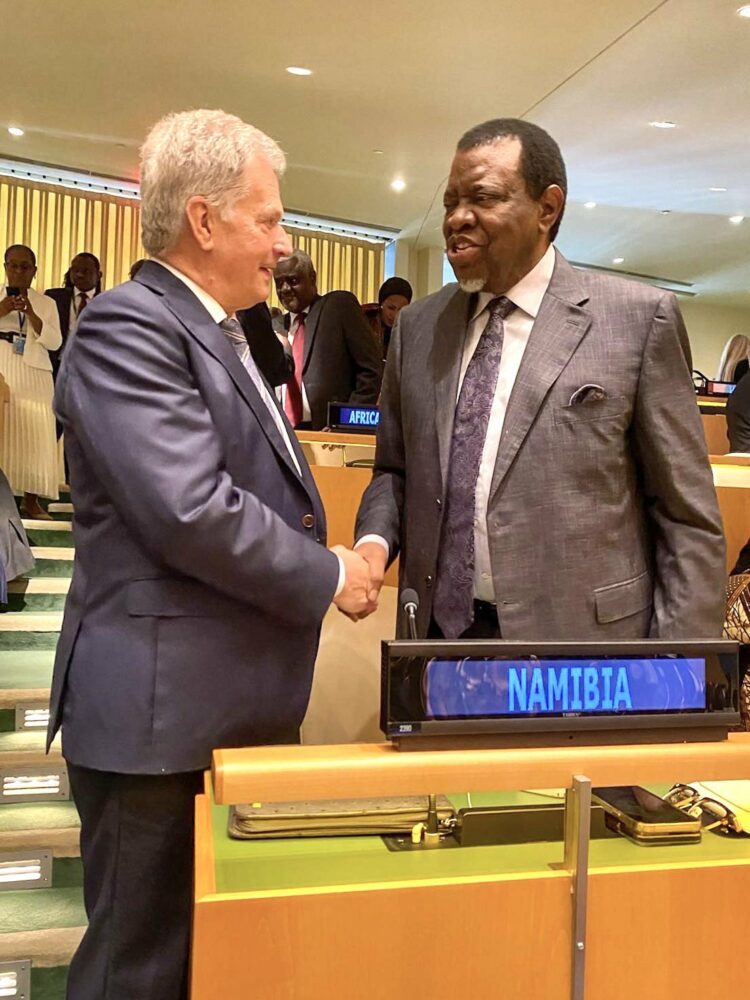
{"x": 29, "y": 329}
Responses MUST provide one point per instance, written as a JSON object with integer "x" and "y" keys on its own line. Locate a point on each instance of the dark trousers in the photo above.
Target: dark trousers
{"x": 484, "y": 626}
{"x": 137, "y": 852}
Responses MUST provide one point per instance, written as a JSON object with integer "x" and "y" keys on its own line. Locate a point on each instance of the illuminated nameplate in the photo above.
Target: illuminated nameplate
{"x": 473, "y": 687}
{"x": 354, "y": 417}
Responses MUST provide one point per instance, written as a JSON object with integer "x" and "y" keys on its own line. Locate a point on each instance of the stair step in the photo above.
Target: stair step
{"x": 27, "y": 748}
{"x": 52, "y": 561}
{"x": 20, "y": 630}
{"x": 38, "y": 593}
{"x": 55, "y": 534}
{"x": 54, "y": 825}
{"x": 25, "y": 676}
{"x": 61, "y": 511}
{"x": 44, "y": 925}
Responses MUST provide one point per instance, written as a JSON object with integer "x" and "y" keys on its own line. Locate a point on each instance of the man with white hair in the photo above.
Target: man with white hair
{"x": 201, "y": 573}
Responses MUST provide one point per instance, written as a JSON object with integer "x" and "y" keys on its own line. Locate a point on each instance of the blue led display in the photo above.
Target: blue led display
{"x": 358, "y": 416}
{"x": 473, "y": 687}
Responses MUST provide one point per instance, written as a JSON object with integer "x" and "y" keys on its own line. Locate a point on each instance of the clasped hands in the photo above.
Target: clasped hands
{"x": 365, "y": 569}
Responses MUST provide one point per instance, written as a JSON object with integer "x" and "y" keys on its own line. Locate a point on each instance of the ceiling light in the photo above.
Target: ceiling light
{"x": 736, "y": 219}
{"x": 744, "y": 11}
{"x": 15, "y": 130}
{"x": 665, "y": 211}
{"x": 717, "y": 189}
{"x": 378, "y": 152}
{"x": 398, "y": 184}
{"x": 589, "y": 204}
{"x": 618, "y": 260}
{"x": 299, "y": 71}
{"x": 664, "y": 124}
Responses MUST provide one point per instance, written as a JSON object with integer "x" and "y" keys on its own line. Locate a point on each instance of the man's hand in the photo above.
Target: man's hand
{"x": 353, "y": 599}
{"x": 376, "y": 558}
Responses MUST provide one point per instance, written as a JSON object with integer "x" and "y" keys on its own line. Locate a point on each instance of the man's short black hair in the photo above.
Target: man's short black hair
{"x": 21, "y": 246}
{"x": 91, "y": 257}
{"x": 541, "y": 160}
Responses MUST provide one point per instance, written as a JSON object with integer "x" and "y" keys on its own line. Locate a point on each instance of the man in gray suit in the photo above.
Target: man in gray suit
{"x": 541, "y": 467}
{"x": 201, "y": 574}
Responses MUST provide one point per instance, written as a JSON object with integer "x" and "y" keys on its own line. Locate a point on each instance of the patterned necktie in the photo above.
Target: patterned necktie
{"x": 236, "y": 336}
{"x": 293, "y": 395}
{"x": 453, "y": 606}
{"x": 82, "y": 302}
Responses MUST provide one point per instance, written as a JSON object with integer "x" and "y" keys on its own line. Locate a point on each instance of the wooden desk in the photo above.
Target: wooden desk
{"x": 345, "y": 919}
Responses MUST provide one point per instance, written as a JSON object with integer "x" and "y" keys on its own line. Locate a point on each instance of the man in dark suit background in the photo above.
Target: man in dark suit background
{"x": 82, "y": 282}
{"x": 541, "y": 466}
{"x": 336, "y": 356}
{"x": 201, "y": 574}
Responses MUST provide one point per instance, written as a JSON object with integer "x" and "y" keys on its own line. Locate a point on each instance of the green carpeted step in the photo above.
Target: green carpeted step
{"x": 54, "y": 825}
{"x": 38, "y": 594}
{"x": 24, "y": 630}
{"x": 22, "y": 672}
{"x": 67, "y": 873}
{"x": 41, "y": 909}
{"x": 28, "y": 748}
{"x": 48, "y": 984}
{"x": 51, "y": 561}
{"x": 61, "y": 511}
{"x": 58, "y": 534}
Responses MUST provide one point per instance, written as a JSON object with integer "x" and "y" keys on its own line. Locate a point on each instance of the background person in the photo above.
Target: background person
{"x": 201, "y": 575}
{"x": 541, "y": 466}
{"x": 394, "y": 294}
{"x": 29, "y": 331}
{"x": 335, "y": 356}
{"x": 82, "y": 282}
{"x": 735, "y": 359}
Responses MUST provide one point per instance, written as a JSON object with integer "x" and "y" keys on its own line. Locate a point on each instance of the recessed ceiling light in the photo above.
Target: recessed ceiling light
{"x": 663, "y": 124}
{"x": 717, "y": 189}
{"x": 378, "y": 152}
{"x": 589, "y": 204}
{"x": 744, "y": 11}
{"x": 398, "y": 184}
{"x": 736, "y": 219}
{"x": 618, "y": 260}
{"x": 299, "y": 71}
{"x": 665, "y": 211}
{"x": 14, "y": 130}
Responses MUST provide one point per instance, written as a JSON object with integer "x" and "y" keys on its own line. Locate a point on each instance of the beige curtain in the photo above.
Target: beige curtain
{"x": 57, "y": 223}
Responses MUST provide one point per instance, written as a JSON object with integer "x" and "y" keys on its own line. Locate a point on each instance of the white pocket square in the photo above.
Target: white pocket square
{"x": 589, "y": 393}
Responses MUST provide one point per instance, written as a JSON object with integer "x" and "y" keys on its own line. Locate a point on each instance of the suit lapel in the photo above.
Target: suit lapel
{"x": 311, "y": 328}
{"x": 202, "y": 328}
{"x": 558, "y": 329}
{"x": 447, "y": 352}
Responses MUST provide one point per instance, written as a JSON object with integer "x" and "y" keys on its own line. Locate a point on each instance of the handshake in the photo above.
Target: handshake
{"x": 365, "y": 569}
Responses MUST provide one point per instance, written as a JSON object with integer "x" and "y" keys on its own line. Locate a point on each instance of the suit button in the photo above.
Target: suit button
{"x": 308, "y": 521}
{"x": 428, "y": 581}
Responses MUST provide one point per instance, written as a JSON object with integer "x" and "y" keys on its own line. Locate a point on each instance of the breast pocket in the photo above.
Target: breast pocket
{"x": 589, "y": 412}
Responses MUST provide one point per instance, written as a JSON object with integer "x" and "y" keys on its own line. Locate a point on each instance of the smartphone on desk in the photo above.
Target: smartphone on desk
{"x": 644, "y": 817}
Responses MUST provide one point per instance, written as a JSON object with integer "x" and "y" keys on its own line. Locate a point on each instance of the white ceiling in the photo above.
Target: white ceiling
{"x": 87, "y": 79}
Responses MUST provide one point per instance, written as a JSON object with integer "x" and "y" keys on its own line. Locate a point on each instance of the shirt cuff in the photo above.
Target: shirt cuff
{"x": 374, "y": 538}
{"x": 342, "y": 575}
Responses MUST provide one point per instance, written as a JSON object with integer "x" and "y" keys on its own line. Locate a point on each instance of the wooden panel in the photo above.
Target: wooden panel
{"x": 484, "y": 939}
{"x": 734, "y": 504}
{"x": 667, "y": 934}
{"x": 268, "y": 774}
{"x": 715, "y": 429}
{"x": 341, "y": 490}
{"x": 330, "y": 437}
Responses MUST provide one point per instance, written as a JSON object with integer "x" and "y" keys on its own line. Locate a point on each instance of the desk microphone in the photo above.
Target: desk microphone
{"x": 410, "y": 604}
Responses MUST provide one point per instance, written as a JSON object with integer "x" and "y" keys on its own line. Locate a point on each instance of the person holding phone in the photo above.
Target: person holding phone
{"x": 29, "y": 330}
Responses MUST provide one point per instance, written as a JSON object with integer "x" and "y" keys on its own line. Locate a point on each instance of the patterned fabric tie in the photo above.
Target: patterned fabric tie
{"x": 293, "y": 396}
{"x": 236, "y": 336}
{"x": 82, "y": 302}
{"x": 453, "y": 605}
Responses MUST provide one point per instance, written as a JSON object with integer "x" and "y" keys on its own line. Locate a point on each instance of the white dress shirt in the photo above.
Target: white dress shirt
{"x": 294, "y": 319}
{"x": 218, "y": 314}
{"x": 526, "y": 295}
{"x": 75, "y": 307}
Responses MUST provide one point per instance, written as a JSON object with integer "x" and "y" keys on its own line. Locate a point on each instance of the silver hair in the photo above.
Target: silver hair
{"x": 196, "y": 153}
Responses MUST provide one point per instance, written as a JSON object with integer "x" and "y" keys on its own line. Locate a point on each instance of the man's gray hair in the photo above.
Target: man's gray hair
{"x": 196, "y": 153}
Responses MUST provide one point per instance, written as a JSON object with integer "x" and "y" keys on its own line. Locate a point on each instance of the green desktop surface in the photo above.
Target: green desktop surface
{"x": 264, "y": 866}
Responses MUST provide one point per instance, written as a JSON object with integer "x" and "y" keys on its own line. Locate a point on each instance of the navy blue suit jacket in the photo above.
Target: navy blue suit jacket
{"x": 201, "y": 576}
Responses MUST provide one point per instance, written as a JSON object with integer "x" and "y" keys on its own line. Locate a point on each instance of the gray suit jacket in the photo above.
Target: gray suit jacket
{"x": 201, "y": 576}
{"x": 341, "y": 361}
{"x": 603, "y": 521}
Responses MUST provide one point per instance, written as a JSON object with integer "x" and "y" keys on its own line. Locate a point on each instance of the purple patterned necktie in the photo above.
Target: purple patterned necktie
{"x": 453, "y": 606}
